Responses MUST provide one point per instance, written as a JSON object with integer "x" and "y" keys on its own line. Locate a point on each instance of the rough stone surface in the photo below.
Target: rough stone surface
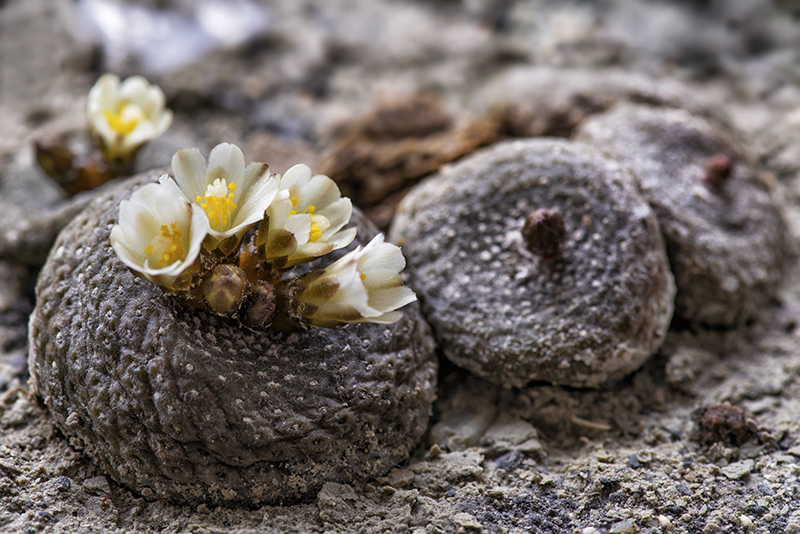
{"x": 179, "y": 404}
{"x": 593, "y": 315}
{"x": 726, "y": 244}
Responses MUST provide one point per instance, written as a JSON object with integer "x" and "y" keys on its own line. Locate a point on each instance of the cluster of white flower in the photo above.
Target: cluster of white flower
{"x": 208, "y": 208}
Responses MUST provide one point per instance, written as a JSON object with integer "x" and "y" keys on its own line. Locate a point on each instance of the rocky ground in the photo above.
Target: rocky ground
{"x": 379, "y": 93}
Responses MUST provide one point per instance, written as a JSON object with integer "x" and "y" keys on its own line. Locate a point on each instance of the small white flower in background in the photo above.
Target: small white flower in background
{"x": 234, "y": 197}
{"x": 126, "y": 115}
{"x": 364, "y": 286}
{"x": 314, "y": 211}
{"x": 159, "y": 233}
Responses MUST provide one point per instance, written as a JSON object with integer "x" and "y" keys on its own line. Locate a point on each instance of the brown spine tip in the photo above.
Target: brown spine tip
{"x": 544, "y": 233}
{"x": 718, "y": 170}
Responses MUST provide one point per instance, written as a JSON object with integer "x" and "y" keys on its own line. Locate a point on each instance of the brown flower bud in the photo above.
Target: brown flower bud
{"x": 224, "y": 289}
{"x": 258, "y": 308}
{"x": 544, "y": 233}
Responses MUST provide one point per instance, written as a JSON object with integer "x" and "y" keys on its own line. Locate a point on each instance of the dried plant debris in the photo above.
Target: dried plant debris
{"x": 592, "y": 314}
{"x": 723, "y": 423}
{"x": 725, "y": 235}
{"x": 181, "y": 404}
{"x": 390, "y": 149}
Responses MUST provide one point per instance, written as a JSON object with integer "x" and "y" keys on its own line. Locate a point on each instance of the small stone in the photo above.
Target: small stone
{"x": 738, "y": 470}
{"x": 400, "y": 478}
{"x": 460, "y": 430}
{"x": 62, "y": 484}
{"x": 685, "y": 364}
{"x": 515, "y": 435}
{"x": 98, "y": 484}
{"x": 624, "y": 527}
{"x": 467, "y": 522}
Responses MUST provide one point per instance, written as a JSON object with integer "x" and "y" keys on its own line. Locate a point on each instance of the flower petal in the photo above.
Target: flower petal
{"x": 298, "y": 175}
{"x": 189, "y": 168}
{"x": 230, "y": 159}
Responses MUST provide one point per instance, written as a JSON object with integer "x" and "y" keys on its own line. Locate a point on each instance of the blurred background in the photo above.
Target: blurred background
{"x": 378, "y": 93}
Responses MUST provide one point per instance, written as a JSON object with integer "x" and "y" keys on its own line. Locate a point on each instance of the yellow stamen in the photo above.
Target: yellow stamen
{"x": 124, "y": 126}
{"x": 315, "y": 234}
{"x": 363, "y": 276}
{"x": 218, "y": 207}
{"x": 170, "y": 242}
{"x": 295, "y": 201}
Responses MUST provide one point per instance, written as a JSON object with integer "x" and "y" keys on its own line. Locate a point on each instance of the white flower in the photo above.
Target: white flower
{"x": 159, "y": 233}
{"x": 312, "y": 210}
{"x": 364, "y": 286}
{"x": 126, "y": 115}
{"x": 234, "y": 197}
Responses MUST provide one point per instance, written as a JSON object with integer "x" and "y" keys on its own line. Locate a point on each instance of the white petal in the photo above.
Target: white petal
{"x": 137, "y": 224}
{"x": 343, "y": 238}
{"x": 189, "y": 168}
{"x": 142, "y": 133}
{"x": 386, "y": 318}
{"x": 230, "y": 159}
{"x": 130, "y": 259}
{"x": 298, "y": 175}
{"x": 255, "y": 200}
{"x": 338, "y": 215}
{"x": 379, "y": 255}
{"x": 300, "y": 226}
{"x": 279, "y": 210}
{"x": 161, "y": 122}
{"x": 103, "y": 95}
{"x": 391, "y": 298}
{"x": 134, "y": 90}
{"x": 321, "y": 191}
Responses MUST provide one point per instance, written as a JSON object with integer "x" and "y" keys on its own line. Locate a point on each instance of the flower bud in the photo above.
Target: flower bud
{"x": 224, "y": 289}
{"x": 258, "y": 308}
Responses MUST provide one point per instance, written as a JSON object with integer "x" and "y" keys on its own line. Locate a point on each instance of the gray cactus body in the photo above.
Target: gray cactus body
{"x": 592, "y": 315}
{"x": 726, "y": 242}
{"x": 180, "y": 404}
